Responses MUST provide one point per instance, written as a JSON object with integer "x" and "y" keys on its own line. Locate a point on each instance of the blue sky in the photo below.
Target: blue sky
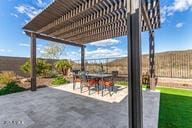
{"x": 175, "y": 32}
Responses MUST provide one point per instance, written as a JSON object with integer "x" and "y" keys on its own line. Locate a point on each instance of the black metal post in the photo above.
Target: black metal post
{"x": 134, "y": 64}
{"x": 152, "y": 60}
{"x": 33, "y": 62}
{"x": 83, "y": 58}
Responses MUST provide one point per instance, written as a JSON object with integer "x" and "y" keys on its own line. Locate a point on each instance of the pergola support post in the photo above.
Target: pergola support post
{"x": 33, "y": 62}
{"x": 83, "y": 58}
{"x": 152, "y": 60}
{"x": 134, "y": 64}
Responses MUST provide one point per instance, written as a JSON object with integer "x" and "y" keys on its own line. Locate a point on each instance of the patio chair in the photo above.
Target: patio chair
{"x": 109, "y": 82}
{"x": 87, "y": 82}
{"x": 76, "y": 79}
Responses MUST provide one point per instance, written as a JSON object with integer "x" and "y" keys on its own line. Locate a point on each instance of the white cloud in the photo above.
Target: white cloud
{"x": 28, "y": 10}
{"x": 177, "y": 6}
{"x": 15, "y": 15}
{"x": 40, "y": 3}
{"x": 39, "y": 49}
{"x": 179, "y": 25}
{"x": 39, "y": 45}
{"x": 2, "y": 50}
{"x": 107, "y": 42}
{"x": 104, "y": 53}
{"x": 28, "y": 45}
{"x": 26, "y": 21}
{"x": 163, "y": 14}
{"x": 74, "y": 55}
{"x": 180, "y": 5}
{"x": 5, "y": 51}
{"x": 24, "y": 45}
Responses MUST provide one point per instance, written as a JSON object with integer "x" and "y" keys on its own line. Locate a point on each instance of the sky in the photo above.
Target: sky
{"x": 175, "y": 32}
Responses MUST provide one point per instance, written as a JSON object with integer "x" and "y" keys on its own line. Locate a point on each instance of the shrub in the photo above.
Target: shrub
{"x": 63, "y": 66}
{"x": 11, "y": 87}
{"x": 59, "y": 80}
{"x": 7, "y": 77}
{"x": 52, "y": 74}
{"x": 42, "y": 67}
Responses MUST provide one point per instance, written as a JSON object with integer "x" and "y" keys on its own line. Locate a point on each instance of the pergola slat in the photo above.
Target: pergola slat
{"x": 94, "y": 17}
{"x": 117, "y": 16}
{"x": 72, "y": 20}
{"x": 70, "y": 15}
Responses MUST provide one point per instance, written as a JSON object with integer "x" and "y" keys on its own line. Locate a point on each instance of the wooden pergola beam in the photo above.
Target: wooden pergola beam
{"x": 33, "y": 37}
{"x": 45, "y": 37}
{"x": 33, "y": 62}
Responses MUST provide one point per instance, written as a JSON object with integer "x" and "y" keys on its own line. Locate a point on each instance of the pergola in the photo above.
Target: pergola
{"x": 77, "y": 22}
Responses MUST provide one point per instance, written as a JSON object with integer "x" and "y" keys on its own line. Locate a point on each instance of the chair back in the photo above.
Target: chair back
{"x": 75, "y": 71}
{"x": 100, "y": 71}
{"x": 83, "y": 75}
{"x": 114, "y": 74}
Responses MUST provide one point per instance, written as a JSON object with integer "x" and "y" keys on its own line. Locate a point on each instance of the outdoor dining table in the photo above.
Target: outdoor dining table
{"x": 97, "y": 77}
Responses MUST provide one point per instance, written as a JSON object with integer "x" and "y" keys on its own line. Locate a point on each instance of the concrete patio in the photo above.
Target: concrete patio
{"x": 119, "y": 93}
{"x": 56, "y": 108}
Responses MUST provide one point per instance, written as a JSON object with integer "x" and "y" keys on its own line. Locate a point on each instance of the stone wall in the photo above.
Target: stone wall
{"x": 14, "y": 63}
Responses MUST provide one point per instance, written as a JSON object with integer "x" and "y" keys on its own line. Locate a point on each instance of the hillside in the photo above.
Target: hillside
{"x": 169, "y": 64}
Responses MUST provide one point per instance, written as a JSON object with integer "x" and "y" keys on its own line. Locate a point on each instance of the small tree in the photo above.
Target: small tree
{"x": 63, "y": 66}
{"x": 42, "y": 67}
{"x": 53, "y": 50}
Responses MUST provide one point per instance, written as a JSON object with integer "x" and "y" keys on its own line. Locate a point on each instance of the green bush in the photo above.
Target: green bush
{"x": 62, "y": 66}
{"x": 7, "y": 77}
{"x": 11, "y": 87}
{"x": 59, "y": 80}
{"x": 52, "y": 74}
{"x": 42, "y": 67}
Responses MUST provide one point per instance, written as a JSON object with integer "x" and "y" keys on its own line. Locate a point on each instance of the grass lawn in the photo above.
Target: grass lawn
{"x": 175, "y": 107}
{"x": 121, "y": 83}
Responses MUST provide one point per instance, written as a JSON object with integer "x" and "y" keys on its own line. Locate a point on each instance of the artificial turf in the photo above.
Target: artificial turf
{"x": 175, "y": 108}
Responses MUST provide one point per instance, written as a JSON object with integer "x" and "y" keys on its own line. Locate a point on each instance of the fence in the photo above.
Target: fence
{"x": 169, "y": 64}
{"x": 106, "y": 64}
{"x": 174, "y": 65}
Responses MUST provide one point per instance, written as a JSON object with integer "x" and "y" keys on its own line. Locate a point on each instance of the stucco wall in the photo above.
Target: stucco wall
{"x": 13, "y": 64}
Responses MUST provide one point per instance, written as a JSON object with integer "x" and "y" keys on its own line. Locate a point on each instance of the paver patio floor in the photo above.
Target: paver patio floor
{"x": 54, "y": 108}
